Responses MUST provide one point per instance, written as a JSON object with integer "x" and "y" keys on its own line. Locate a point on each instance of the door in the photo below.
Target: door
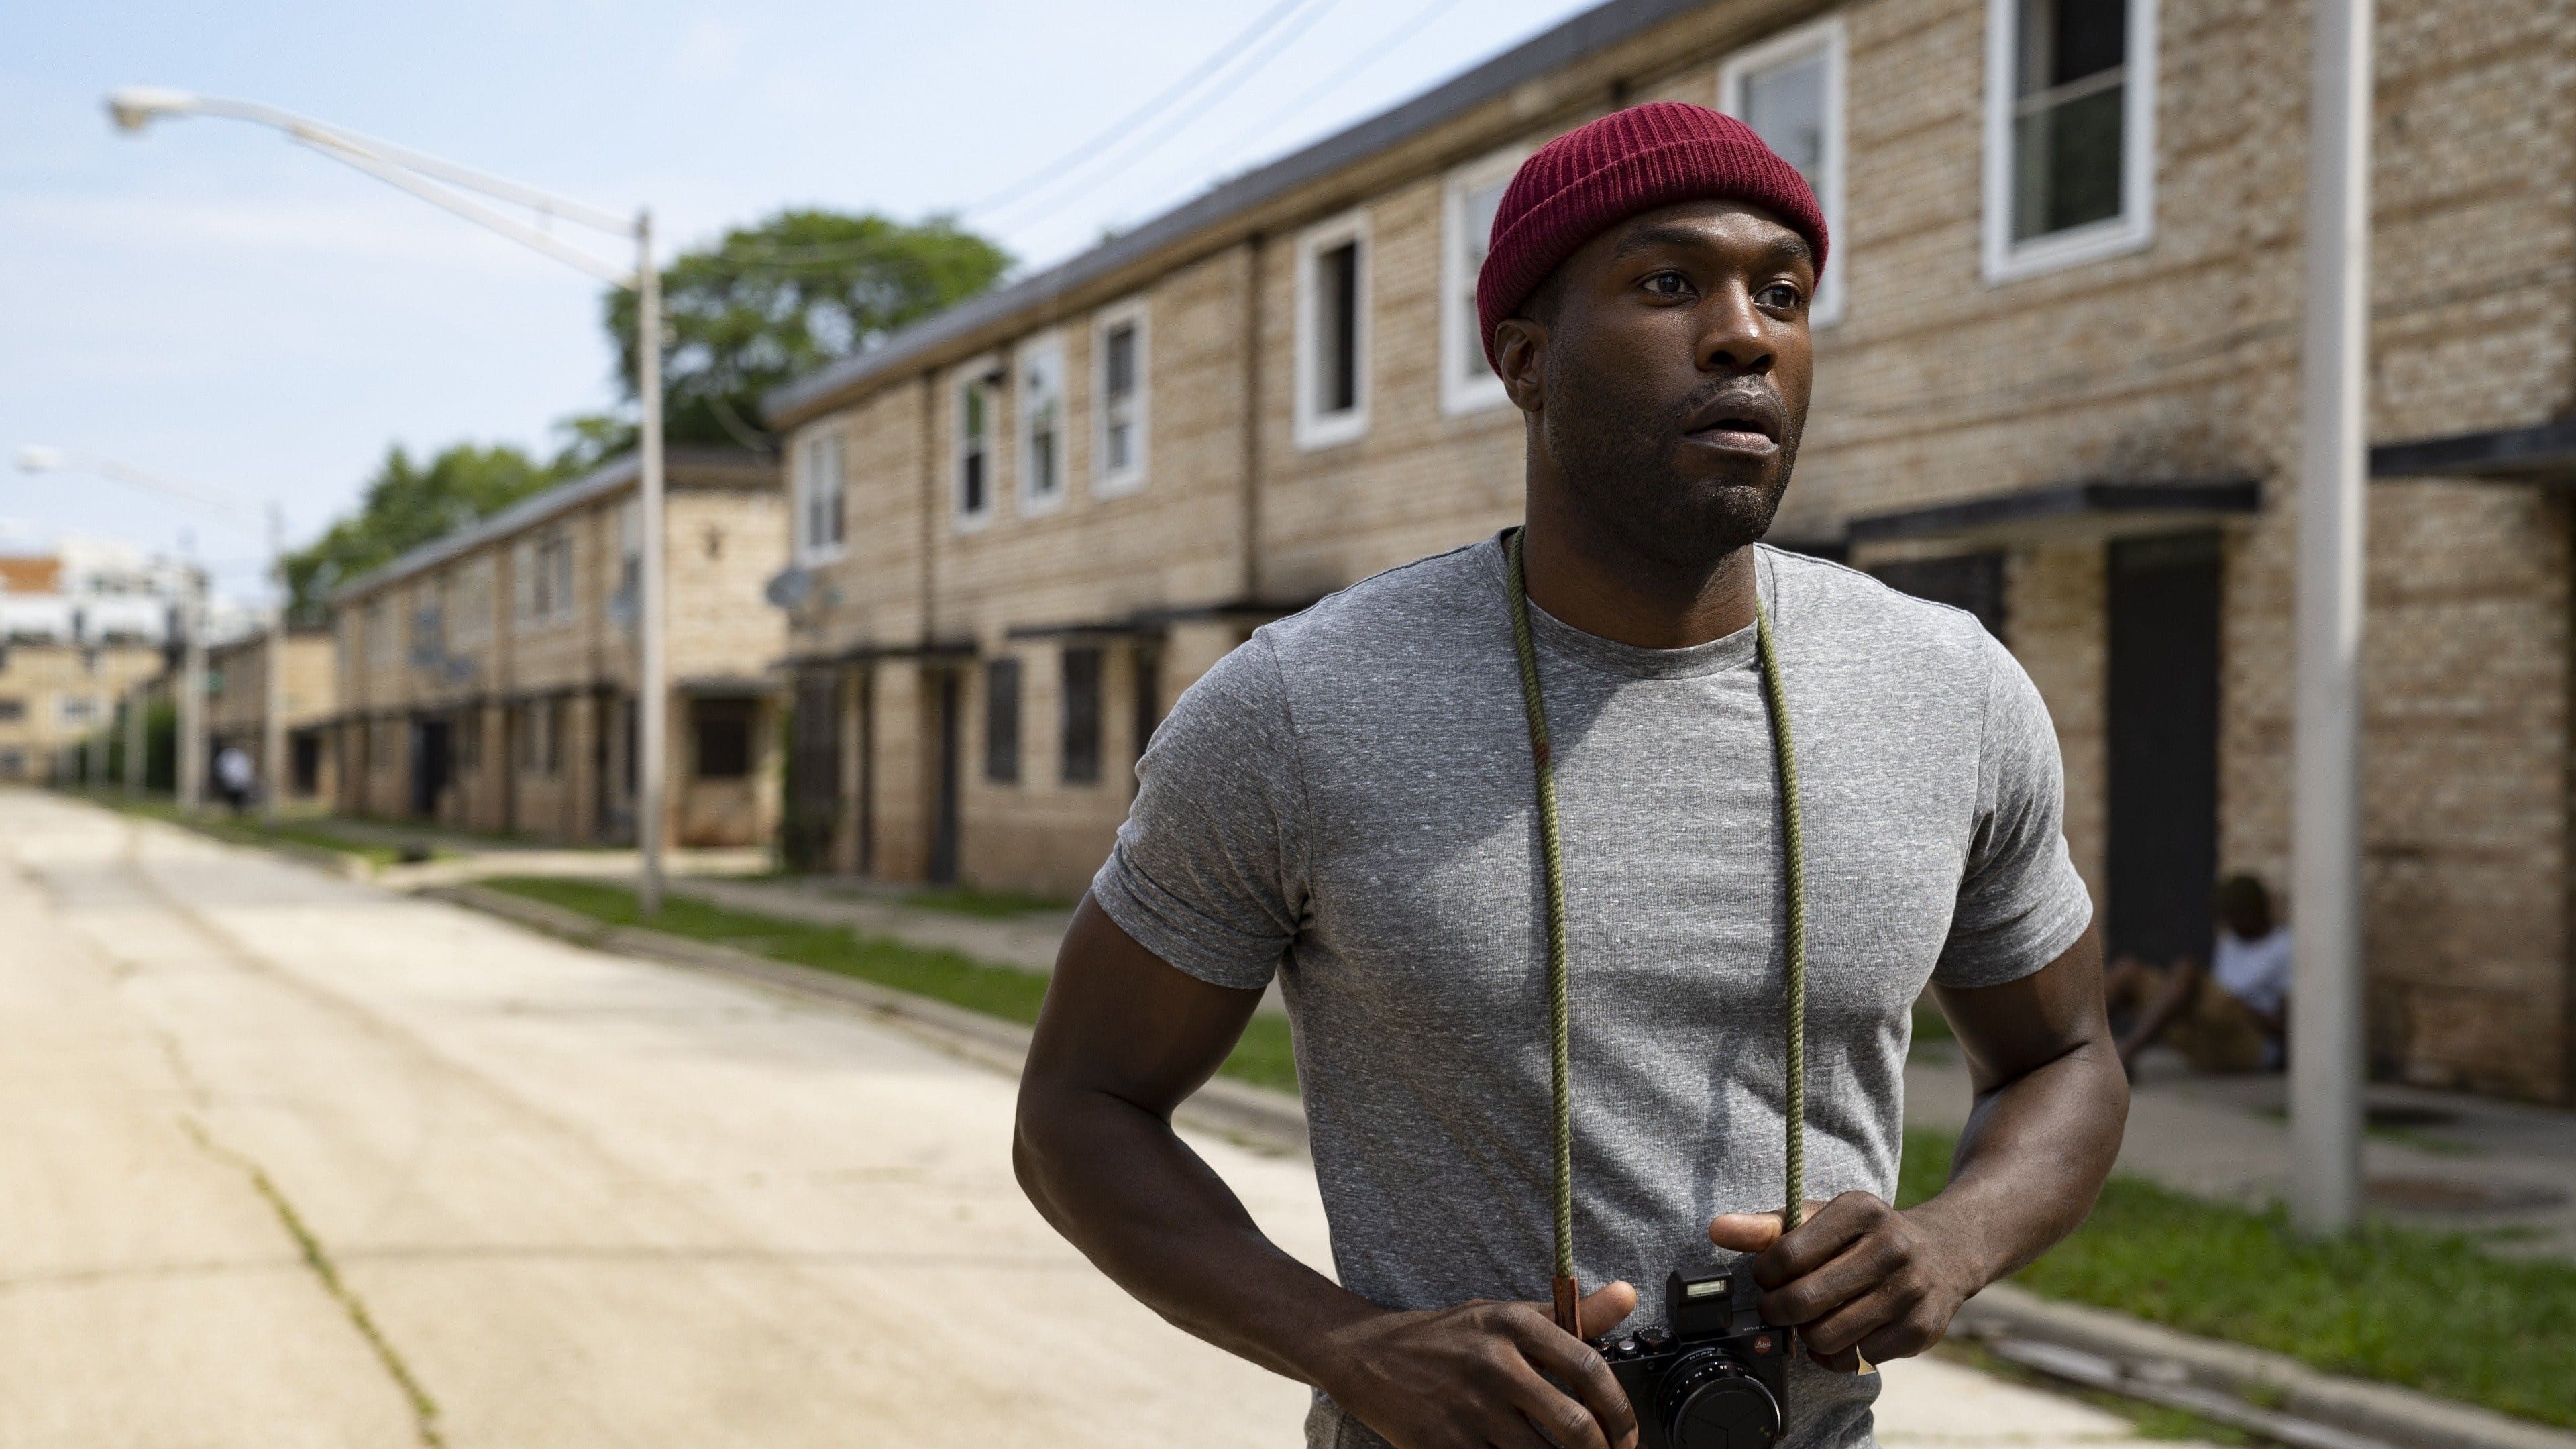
{"x": 2163, "y": 744}
{"x": 814, "y": 772}
{"x": 431, "y": 760}
{"x": 943, "y": 814}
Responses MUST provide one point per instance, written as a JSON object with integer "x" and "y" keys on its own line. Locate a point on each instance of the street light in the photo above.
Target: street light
{"x": 444, "y": 184}
{"x": 192, "y": 613}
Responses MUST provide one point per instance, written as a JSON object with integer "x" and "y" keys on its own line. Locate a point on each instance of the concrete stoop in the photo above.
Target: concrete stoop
{"x": 2262, "y": 1392}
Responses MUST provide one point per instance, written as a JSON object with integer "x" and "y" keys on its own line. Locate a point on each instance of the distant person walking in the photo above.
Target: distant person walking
{"x": 2230, "y": 1016}
{"x": 234, "y": 778}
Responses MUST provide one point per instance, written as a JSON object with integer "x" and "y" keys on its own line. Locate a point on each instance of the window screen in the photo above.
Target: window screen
{"x": 723, "y": 744}
{"x": 2069, "y": 70}
{"x": 1337, "y": 328}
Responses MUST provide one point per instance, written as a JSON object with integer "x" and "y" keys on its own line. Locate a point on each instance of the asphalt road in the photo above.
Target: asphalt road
{"x": 289, "y": 1160}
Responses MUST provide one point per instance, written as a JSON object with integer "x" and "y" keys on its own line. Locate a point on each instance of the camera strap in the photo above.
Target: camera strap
{"x": 1784, "y": 760}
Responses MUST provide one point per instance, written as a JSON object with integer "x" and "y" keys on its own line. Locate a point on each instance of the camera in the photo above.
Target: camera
{"x": 1716, "y": 1377}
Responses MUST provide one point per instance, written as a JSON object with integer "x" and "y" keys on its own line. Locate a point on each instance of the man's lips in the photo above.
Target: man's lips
{"x": 1745, "y": 422}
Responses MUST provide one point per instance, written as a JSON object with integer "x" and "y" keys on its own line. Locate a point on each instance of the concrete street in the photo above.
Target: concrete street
{"x": 291, "y": 1160}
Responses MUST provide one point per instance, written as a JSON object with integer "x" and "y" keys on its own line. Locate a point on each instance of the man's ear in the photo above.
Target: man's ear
{"x": 1520, "y": 357}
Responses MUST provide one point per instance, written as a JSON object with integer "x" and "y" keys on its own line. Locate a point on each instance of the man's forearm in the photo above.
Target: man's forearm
{"x": 2032, "y": 1158}
{"x": 1146, "y": 1210}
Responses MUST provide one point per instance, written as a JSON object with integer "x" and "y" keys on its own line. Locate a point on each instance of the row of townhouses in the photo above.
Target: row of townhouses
{"x": 80, "y": 627}
{"x": 2057, "y": 385}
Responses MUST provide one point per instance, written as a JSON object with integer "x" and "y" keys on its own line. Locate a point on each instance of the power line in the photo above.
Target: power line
{"x": 1385, "y": 46}
{"x": 1127, "y": 124}
{"x": 1279, "y": 41}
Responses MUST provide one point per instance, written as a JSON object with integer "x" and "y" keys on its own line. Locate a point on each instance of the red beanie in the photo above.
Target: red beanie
{"x": 1592, "y": 178}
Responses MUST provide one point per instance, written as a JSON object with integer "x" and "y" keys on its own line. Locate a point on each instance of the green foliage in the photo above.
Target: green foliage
{"x": 775, "y": 301}
{"x": 2433, "y": 1311}
{"x": 1263, "y": 1056}
{"x": 407, "y": 504}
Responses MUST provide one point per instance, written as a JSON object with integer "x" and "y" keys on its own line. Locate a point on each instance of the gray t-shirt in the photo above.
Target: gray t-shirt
{"x": 1347, "y": 801}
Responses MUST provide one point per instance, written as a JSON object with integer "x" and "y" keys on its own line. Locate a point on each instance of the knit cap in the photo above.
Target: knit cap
{"x": 1598, "y": 175}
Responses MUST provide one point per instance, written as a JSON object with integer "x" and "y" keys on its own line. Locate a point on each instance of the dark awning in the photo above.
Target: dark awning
{"x": 2068, "y": 511}
{"x": 1154, "y": 622}
{"x": 2545, "y": 453}
{"x": 728, "y": 686}
{"x": 868, "y": 653}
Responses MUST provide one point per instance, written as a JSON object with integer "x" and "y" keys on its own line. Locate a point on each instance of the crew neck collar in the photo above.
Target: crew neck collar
{"x": 1561, "y": 640}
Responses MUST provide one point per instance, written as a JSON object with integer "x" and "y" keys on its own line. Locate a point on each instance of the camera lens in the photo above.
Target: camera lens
{"x": 1710, "y": 1402}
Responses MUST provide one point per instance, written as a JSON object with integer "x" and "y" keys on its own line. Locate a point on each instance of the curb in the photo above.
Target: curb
{"x": 2251, "y": 1388}
{"x": 2143, "y": 1357}
{"x": 1255, "y": 1116}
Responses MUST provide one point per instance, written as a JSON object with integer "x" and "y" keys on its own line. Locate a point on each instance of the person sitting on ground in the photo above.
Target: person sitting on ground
{"x": 2229, "y": 1017}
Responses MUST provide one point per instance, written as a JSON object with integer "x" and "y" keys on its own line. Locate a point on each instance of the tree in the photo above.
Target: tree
{"x": 407, "y": 504}
{"x": 775, "y": 301}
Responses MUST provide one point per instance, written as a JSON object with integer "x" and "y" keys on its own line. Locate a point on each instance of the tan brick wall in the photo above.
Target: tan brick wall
{"x": 37, "y": 681}
{"x": 2176, "y": 361}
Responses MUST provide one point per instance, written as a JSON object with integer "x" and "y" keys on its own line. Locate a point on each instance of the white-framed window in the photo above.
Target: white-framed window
{"x": 1468, "y": 201}
{"x": 1333, "y": 331}
{"x": 630, "y": 554}
{"x": 543, "y": 581}
{"x": 1041, "y": 407}
{"x": 821, "y": 486}
{"x": 1789, "y": 89}
{"x": 975, "y": 387}
{"x": 2070, "y": 132}
{"x": 1119, "y": 429}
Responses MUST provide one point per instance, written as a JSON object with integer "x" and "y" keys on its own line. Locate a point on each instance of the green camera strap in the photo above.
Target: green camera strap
{"x": 1784, "y": 758}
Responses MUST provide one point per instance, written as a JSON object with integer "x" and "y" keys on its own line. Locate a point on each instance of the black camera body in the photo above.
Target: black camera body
{"x": 1716, "y": 1377}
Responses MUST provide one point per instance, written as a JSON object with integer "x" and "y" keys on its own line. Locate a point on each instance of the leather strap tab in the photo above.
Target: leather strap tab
{"x": 1568, "y": 1296}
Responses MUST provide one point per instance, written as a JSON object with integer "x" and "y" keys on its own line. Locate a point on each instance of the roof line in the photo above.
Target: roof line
{"x": 1593, "y": 30}
{"x": 607, "y": 478}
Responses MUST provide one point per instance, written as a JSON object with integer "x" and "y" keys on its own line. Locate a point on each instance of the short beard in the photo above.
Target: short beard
{"x": 1618, "y": 470}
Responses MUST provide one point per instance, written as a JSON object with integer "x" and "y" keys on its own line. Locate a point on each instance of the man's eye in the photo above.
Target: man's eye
{"x": 1668, "y": 284}
{"x": 1779, "y": 294}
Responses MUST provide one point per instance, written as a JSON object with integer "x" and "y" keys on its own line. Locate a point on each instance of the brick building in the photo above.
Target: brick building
{"x": 237, "y": 708}
{"x": 487, "y": 680}
{"x": 56, "y": 694}
{"x": 2057, "y": 383}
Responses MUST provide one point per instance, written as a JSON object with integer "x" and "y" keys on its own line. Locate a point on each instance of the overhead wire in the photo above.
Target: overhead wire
{"x": 1412, "y": 26}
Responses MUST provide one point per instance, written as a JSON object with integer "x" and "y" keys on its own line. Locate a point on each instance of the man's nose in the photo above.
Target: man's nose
{"x": 1734, "y": 336}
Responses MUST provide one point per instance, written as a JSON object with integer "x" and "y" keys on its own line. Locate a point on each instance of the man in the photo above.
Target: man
{"x": 234, "y": 777}
{"x": 1347, "y": 801}
{"x": 2230, "y": 1017}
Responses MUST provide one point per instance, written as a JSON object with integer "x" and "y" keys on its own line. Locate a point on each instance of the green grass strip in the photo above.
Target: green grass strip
{"x": 1263, "y": 1057}
{"x": 2430, "y": 1310}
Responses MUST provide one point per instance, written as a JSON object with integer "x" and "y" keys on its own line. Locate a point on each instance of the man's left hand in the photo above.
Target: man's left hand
{"x": 1857, "y": 1279}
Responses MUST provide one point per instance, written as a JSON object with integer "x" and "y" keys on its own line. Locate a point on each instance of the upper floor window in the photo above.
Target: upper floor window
{"x": 543, "y": 566}
{"x": 2070, "y": 132}
{"x": 820, "y": 487}
{"x": 1332, "y": 332}
{"x": 975, "y": 443}
{"x": 1467, "y": 380}
{"x": 1041, "y": 425}
{"x": 1118, "y": 432}
{"x": 1790, "y": 91}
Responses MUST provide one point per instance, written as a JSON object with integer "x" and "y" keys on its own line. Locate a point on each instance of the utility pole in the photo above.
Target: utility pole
{"x": 272, "y": 762}
{"x": 653, "y": 692}
{"x": 192, "y": 696}
{"x": 2325, "y": 889}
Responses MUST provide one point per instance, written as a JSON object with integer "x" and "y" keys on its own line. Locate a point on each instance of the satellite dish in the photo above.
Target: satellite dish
{"x": 789, "y": 588}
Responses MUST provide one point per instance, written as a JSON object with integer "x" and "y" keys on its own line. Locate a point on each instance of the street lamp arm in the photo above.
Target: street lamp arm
{"x": 401, "y": 174}
{"x": 70, "y": 460}
{"x": 136, "y": 106}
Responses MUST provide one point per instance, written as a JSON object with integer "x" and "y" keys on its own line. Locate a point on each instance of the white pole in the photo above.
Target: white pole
{"x": 133, "y": 739}
{"x": 653, "y": 688}
{"x": 92, "y": 742}
{"x": 192, "y": 698}
{"x": 272, "y": 768}
{"x": 2325, "y": 892}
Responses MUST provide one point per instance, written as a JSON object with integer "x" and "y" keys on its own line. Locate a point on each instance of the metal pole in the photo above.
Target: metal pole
{"x": 272, "y": 766}
{"x": 653, "y": 688}
{"x": 2325, "y": 845}
{"x": 92, "y": 742}
{"x": 192, "y": 698}
{"x": 134, "y": 739}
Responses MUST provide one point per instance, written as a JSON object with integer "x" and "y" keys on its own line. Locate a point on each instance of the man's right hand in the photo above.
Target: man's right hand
{"x": 1479, "y": 1375}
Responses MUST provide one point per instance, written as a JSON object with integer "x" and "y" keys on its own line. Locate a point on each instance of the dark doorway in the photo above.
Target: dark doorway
{"x": 2163, "y": 744}
{"x": 305, "y": 752}
{"x": 432, "y": 758}
{"x": 1146, "y": 703}
{"x": 814, "y": 772}
{"x": 943, "y": 813}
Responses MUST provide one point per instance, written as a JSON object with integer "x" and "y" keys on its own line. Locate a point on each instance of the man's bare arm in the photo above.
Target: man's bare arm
{"x": 2050, "y": 1102}
{"x": 1123, "y": 1039}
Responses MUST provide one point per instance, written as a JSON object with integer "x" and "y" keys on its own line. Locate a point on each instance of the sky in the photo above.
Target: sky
{"x": 213, "y": 306}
